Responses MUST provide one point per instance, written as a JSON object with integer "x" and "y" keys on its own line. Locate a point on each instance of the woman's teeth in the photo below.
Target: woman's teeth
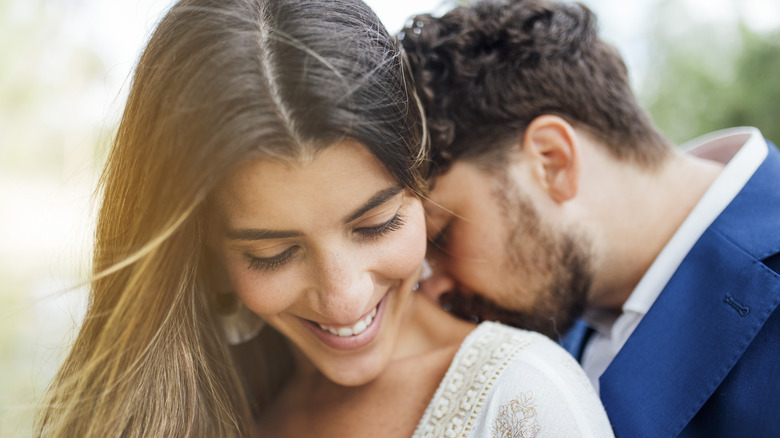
{"x": 355, "y": 330}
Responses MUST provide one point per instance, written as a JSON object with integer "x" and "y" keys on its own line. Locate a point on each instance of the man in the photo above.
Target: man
{"x": 555, "y": 198}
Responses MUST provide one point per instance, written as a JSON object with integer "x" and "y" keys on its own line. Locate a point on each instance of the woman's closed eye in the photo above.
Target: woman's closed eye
{"x": 375, "y": 232}
{"x": 271, "y": 263}
{"x": 281, "y": 259}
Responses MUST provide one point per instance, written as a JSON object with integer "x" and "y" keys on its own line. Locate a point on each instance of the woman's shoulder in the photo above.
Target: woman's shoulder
{"x": 496, "y": 334}
{"x": 503, "y": 377}
{"x": 500, "y": 346}
{"x": 523, "y": 345}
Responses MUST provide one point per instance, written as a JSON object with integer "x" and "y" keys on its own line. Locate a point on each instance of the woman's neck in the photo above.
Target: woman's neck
{"x": 429, "y": 329}
{"x": 389, "y": 405}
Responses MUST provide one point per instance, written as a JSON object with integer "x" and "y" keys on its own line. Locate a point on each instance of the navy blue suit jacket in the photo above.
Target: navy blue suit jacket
{"x": 705, "y": 360}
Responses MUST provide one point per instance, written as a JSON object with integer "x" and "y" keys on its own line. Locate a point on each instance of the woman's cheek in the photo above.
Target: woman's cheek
{"x": 406, "y": 256}
{"x": 263, "y": 293}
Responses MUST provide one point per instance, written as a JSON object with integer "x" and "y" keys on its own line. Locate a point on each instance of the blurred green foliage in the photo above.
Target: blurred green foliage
{"x": 703, "y": 78}
{"x": 48, "y": 82}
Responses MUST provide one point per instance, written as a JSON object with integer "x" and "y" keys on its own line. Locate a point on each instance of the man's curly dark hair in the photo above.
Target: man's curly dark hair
{"x": 484, "y": 72}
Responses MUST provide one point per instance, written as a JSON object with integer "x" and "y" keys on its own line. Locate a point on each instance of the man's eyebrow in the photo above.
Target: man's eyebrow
{"x": 380, "y": 198}
{"x": 251, "y": 234}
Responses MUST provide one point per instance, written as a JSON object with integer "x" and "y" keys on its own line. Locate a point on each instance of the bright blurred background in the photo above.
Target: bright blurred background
{"x": 697, "y": 65}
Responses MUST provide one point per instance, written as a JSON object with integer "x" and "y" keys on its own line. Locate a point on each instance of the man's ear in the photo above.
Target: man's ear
{"x": 553, "y": 147}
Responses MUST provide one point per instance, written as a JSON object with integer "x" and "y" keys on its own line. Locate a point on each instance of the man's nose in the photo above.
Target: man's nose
{"x": 436, "y": 284}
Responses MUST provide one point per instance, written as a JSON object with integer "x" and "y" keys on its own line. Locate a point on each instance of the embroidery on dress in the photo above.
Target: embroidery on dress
{"x": 516, "y": 419}
{"x": 480, "y": 361}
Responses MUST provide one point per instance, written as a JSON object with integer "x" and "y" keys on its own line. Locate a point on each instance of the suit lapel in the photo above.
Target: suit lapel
{"x": 575, "y": 339}
{"x": 703, "y": 320}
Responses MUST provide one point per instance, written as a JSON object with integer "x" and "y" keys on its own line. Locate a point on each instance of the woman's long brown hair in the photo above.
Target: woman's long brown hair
{"x": 220, "y": 82}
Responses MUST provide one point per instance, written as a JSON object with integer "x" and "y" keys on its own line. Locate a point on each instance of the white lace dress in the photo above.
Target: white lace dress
{"x": 510, "y": 383}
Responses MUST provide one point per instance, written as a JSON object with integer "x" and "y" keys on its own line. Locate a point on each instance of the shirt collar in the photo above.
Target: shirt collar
{"x": 742, "y": 150}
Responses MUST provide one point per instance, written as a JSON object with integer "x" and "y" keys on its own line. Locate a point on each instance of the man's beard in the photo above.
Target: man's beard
{"x": 554, "y": 269}
{"x": 552, "y": 314}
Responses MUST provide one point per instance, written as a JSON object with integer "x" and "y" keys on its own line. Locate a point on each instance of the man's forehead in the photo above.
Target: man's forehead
{"x": 459, "y": 185}
{"x": 433, "y": 206}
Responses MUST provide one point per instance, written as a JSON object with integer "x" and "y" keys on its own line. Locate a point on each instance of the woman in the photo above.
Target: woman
{"x": 259, "y": 241}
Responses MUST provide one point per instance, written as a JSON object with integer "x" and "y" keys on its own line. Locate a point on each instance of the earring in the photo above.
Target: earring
{"x": 426, "y": 272}
{"x": 238, "y": 323}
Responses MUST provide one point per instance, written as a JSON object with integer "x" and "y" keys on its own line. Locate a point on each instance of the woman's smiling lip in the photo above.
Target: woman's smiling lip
{"x": 346, "y": 341}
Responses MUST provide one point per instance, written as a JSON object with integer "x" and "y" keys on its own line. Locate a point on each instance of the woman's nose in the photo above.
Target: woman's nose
{"x": 345, "y": 289}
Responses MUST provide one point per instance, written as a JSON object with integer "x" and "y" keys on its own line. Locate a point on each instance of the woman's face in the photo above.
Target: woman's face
{"x": 326, "y": 251}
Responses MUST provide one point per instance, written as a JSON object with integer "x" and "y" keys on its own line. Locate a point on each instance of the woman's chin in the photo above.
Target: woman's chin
{"x": 358, "y": 375}
{"x": 357, "y": 357}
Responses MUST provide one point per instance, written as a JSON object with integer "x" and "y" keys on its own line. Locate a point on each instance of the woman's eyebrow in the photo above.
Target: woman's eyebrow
{"x": 252, "y": 234}
{"x": 378, "y": 199}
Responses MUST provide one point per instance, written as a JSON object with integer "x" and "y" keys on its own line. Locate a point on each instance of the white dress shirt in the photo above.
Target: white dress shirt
{"x": 742, "y": 150}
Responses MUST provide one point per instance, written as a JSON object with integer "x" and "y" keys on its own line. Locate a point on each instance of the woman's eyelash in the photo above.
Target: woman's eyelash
{"x": 393, "y": 224}
{"x": 271, "y": 263}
